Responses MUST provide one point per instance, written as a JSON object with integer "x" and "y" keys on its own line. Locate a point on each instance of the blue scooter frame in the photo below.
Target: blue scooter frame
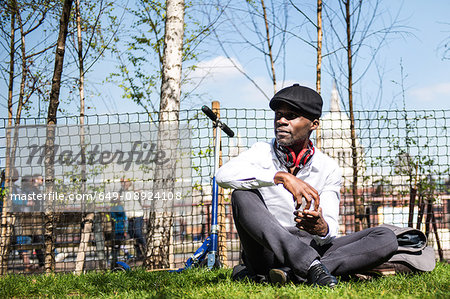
{"x": 209, "y": 247}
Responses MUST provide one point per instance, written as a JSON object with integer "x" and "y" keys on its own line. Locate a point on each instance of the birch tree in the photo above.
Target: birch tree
{"x": 161, "y": 221}
{"x": 87, "y": 218}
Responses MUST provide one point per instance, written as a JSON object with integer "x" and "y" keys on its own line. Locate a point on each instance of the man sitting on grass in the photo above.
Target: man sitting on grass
{"x": 286, "y": 205}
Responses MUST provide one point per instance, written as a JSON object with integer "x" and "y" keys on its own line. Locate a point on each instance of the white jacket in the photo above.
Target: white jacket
{"x": 256, "y": 168}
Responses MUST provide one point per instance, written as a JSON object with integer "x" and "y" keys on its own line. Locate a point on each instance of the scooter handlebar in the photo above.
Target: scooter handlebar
{"x": 213, "y": 117}
{"x": 227, "y": 130}
{"x": 209, "y": 113}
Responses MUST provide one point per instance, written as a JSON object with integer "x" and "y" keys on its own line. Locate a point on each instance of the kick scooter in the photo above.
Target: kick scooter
{"x": 207, "y": 252}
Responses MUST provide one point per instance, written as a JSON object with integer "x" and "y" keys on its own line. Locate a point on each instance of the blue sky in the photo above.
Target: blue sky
{"x": 427, "y": 76}
{"x": 427, "y": 80}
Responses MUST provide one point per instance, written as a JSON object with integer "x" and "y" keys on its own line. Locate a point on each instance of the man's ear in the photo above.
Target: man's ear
{"x": 315, "y": 124}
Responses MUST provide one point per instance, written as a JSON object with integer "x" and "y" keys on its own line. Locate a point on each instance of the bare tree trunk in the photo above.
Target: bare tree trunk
{"x": 24, "y": 70}
{"x": 12, "y": 52}
{"x": 49, "y": 216}
{"x": 81, "y": 70}
{"x": 88, "y": 217}
{"x": 319, "y": 65}
{"x": 412, "y": 203}
{"x": 436, "y": 235}
{"x": 13, "y": 146}
{"x": 159, "y": 234}
{"x": 319, "y": 47}
{"x": 59, "y": 60}
{"x": 7, "y": 220}
{"x": 269, "y": 46}
{"x": 11, "y": 65}
{"x": 87, "y": 221}
{"x": 357, "y": 203}
{"x": 21, "y": 101}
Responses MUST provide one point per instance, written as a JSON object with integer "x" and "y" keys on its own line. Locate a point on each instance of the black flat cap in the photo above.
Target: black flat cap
{"x": 303, "y": 99}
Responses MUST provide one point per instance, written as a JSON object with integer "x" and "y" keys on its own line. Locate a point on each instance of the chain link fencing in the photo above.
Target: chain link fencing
{"x": 115, "y": 192}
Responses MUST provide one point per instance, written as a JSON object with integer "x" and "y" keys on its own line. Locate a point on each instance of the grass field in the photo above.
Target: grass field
{"x": 200, "y": 283}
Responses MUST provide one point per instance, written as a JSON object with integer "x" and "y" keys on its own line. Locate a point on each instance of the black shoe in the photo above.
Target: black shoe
{"x": 319, "y": 275}
{"x": 241, "y": 273}
{"x": 278, "y": 276}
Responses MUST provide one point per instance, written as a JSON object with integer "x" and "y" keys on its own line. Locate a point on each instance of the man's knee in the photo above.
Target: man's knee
{"x": 239, "y": 197}
{"x": 247, "y": 202}
{"x": 235, "y": 197}
{"x": 388, "y": 238}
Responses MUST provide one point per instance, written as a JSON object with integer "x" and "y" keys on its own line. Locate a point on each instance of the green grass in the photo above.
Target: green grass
{"x": 200, "y": 283}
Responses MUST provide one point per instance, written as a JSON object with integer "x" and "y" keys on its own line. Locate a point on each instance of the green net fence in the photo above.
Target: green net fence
{"x": 124, "y": 187}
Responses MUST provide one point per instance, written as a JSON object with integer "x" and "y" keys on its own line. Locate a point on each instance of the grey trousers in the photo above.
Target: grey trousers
{"x": 267, "y": 244}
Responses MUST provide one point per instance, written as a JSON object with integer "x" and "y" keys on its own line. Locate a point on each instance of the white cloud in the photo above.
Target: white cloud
{"x": 217, "y": 68}
{"x": 221, "y": 79}
{"x": 432, "y": 92}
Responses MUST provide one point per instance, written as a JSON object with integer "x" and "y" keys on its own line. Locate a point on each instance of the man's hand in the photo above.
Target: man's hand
{"x": 299, "y": 189}
{"x": 311, "y": 222}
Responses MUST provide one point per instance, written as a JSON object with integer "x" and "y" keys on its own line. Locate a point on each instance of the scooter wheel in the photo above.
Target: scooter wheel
{"x": 217, "y": 263}
{"x": 121, "y": 266}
